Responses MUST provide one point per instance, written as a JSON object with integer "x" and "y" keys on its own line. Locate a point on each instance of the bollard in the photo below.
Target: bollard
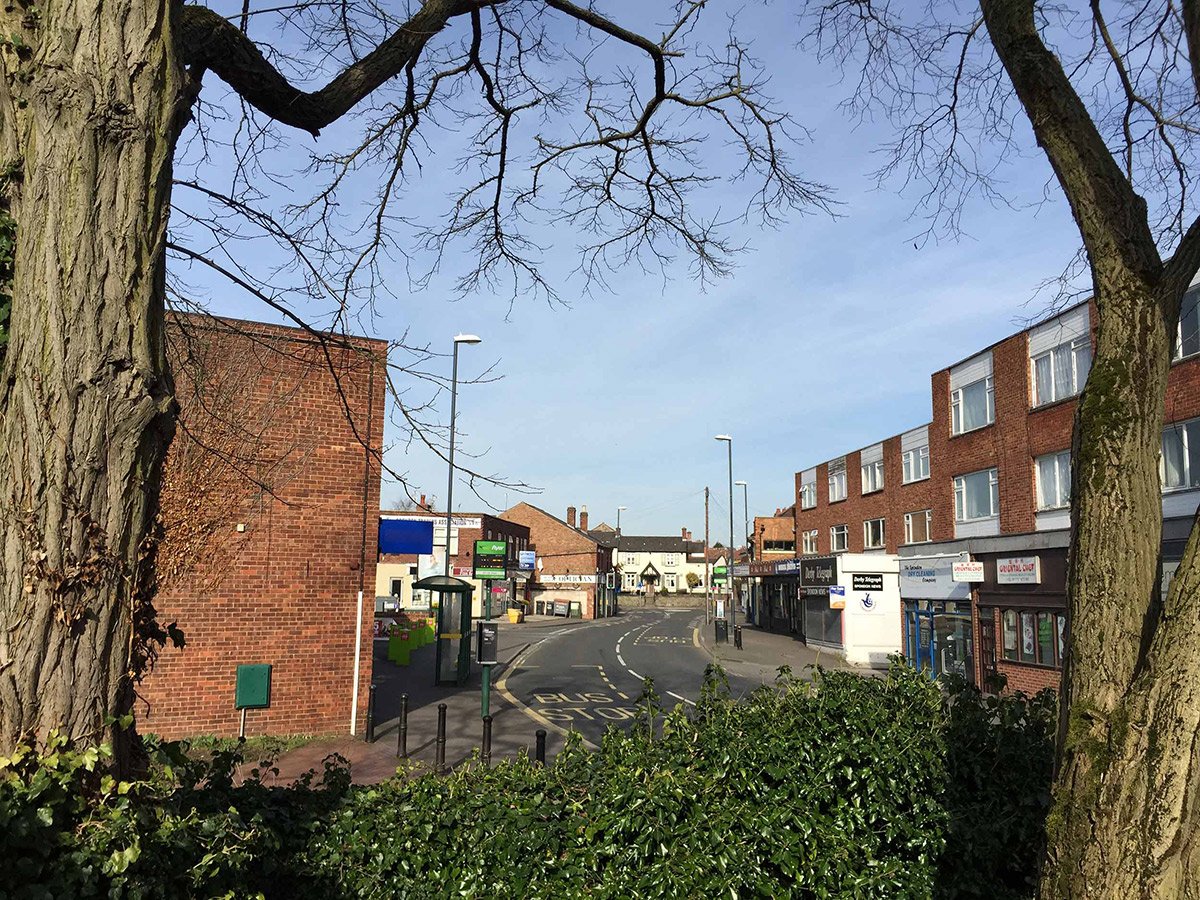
{"x": 439, "y": 765}
{"x": 487, "y": 740}
{"x": 539, "y": 753}
{"x": 737, "y": 636}
{"x": 371, "y": 714}
{"x": 402, "y": 740}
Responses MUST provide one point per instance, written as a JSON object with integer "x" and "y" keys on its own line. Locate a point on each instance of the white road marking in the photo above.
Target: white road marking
{"x": 684, "y": 699}
{"x": 633, "y": 673}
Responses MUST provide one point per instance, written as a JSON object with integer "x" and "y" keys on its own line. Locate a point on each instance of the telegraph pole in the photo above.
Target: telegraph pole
{"x": 707, "y": 573}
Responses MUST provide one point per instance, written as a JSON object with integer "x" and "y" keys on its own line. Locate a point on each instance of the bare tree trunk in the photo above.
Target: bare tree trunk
{"x": 1126, "y": 816}
{"x": 89, "y": 115}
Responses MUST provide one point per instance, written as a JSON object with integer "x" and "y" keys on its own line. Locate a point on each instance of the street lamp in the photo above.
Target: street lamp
{"x": 618, "y": 571}
{"x": 458, "y": 339}
{"x": 729, "y": 555}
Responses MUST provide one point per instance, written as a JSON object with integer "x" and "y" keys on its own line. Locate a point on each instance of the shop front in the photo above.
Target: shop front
{"x": 1022, "y": 616}
{"x": 778, "y": 608}
{"x": 938, "y": 636}
{"x": 822, "y": 619}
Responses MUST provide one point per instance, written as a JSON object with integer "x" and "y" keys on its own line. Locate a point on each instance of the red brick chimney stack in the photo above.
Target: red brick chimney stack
{"x": 583, "y": 519}
{"x": 571, "y": 516}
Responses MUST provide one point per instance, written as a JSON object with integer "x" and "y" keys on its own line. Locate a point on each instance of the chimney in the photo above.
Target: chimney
{"x": 422, "y": 503}
{"x": 583, "y": 519}
{"x": 687, "y": 534}
{"x": 571, "y": 516}
{"x": 683, "y": 533}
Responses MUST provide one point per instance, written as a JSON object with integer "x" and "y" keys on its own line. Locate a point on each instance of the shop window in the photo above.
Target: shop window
{"x": 1061, "y": 372}
{"x": 918, "y": 527}
{"x": 1054, "y": 480}
{"x": 977, "y": 496}
{"x": 872, "y": 477}
{"x": 838, "y": 536}
{"x": 973, "y": 406}
{"x": 810, "y": 541}
{"x": 873, "y": 533}
{"x": 1032, "y": 636}
{"x": 1179, "y": 464}
{"x": 1187, "y": 339}
{"x": 837, "y": 480}
{"x": 916, "y": 464}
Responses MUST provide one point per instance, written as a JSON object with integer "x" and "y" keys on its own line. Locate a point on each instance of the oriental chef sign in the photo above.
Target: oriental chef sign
{"x": 1019, "y": 570}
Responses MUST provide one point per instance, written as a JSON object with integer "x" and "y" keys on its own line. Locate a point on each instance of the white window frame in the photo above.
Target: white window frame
{"x": 631, "y": 559}
{"x": 809, "y": 541}
{"x": 910, "y": 517}
{"x": 670, "y": 559}
{"x": 1057, "y": 392}
{"x": 1062, "y": 461}
{"x": 1190, "y": 304}
{"x": 868, "y": 544}
{"x": 808, "y": 495}
{"x": 916, "y": 464}
{"x": 960, "y": 495}
{"x": 837, "y": 478}
{"x": 833, "y": 543}
{"x": 1191, "y": 480}
{"x": 956, "y": 405}
{"x": 872, "y": 477}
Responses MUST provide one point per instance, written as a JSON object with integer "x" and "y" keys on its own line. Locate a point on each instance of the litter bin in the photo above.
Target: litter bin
{"x": 404, "y": 648}
{"x": 721, "y": 634}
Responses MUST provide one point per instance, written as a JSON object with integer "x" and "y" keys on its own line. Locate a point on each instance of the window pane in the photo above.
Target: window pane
{"x": 923, "y": 456}
{"x": 978, "y": 495}
{"x": 1045, "y": 626}
{"x": 1064, "y": 376}
{"x": 1172, "y": 457}
{"x": 959, "y": 498}
{"x": 1041, "y": 374}
{"x": 1010, "y": 634}
{"x": 1064, "y": 478}
{"x": 1192, "y": 440}
{"x": 1028, "y": 639}
{"x": 975, "y": 405}
{"x": 1083, "y": 361}
{"x": 1062, "y": 630}
{"x": 1047, "y": 473}
{"x": 1189, "y": 324}
{"x": 956, "y": 423}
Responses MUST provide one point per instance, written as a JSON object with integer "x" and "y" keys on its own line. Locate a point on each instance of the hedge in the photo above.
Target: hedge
{"x": 846, "y": 787}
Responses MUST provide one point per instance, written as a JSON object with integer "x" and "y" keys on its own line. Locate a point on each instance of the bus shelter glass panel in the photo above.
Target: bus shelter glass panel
{"x": 454, "y": 638}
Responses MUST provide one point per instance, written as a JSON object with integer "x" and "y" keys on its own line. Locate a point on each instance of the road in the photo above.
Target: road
{"x": 589, "y": 677}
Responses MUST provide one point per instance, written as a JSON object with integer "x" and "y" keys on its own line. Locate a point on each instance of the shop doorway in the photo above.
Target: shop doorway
{"x": 990, "y": 674}
{"x": 939, "y": 638}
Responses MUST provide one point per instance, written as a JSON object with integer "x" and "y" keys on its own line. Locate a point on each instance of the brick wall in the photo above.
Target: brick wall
{"x": 274, "y": 427}
{"x": 774, "y": 528}
{"x": 562, "y": 550}
{"x": 890, "y": 504}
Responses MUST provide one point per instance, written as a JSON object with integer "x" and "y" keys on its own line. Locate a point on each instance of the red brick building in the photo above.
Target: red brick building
{"x": 270, "y": 501}
{"x": 573, "y": 566}
{"x": 987, "y": 481}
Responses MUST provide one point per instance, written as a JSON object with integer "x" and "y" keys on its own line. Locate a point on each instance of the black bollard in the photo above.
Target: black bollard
{"x": 402, "y": 740}
{"x": 539, "y": 753}
{"x": 487, "y": 740}
{"x": 737, "y": 636}
{"x": 439, "y": 765}
{"x": 371, "y": 714}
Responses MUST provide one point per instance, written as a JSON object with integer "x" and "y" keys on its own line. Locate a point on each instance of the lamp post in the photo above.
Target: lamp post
{"x": 618, "y": 571}
{"x": 458, "y": 339}
{"x": 729, "y": 553}
{"x": 748, "y": 584}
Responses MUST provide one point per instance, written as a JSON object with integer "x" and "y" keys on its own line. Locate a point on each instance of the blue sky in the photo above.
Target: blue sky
{"x": 822, "y": 341}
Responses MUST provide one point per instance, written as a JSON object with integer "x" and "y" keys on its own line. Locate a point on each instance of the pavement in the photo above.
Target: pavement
{"x": 763, "y": 652}
{"x": 560, "y": 675}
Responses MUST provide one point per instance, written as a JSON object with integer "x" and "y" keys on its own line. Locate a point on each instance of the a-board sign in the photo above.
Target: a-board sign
{"x": 487, "y": 638}
{"x": 490, "y": 560}
{"x": 837, "y": 597}
{"x": 866, "y": 581}
{"x": 562, "y": 608}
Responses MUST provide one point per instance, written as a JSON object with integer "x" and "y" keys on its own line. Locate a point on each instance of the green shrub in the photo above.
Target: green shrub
{"x": 846, "y": 787}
